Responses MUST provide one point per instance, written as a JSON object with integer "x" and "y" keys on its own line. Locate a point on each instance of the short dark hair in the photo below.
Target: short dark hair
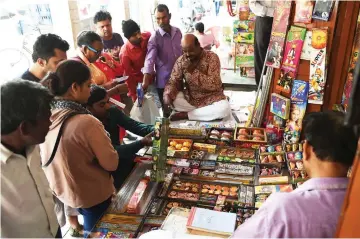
{"x": 97, "y": 93}
{"x": 45, "y": 45}
{"x": 162, "y": 8}
{"x": 196, "y": 41}
{"x": 22, "y": 100}
{"x": 200, "y": 27}
{"x": 330, "y": 138}
{"x": 87, "y": 38}
{"x": 67, "y": 73}
{"x": 102, "y": 16}
{"x": 130, "y": 27}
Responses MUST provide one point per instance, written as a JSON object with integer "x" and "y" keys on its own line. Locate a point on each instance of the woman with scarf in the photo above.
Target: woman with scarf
{"x": 77, "y": 155}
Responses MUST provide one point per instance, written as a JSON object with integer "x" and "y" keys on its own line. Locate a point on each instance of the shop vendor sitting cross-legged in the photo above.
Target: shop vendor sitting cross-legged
{"x": 195, "y": 88}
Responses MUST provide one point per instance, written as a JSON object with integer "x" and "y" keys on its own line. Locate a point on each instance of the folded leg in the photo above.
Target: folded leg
{"x": 217, "y": 110}
{"x": 181, "y": 104}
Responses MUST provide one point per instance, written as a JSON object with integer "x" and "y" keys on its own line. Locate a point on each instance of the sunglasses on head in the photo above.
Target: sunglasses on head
{"x": 93, "y": 50}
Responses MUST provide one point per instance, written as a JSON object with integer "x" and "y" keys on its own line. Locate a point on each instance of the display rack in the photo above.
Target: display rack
{"x": 258, "y": 164}
{"x": 341, "y": 28}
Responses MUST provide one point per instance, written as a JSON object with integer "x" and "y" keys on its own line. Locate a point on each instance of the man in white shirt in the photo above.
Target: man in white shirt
{"x": 27, "y": 204}
{"x": 264, "y": 11}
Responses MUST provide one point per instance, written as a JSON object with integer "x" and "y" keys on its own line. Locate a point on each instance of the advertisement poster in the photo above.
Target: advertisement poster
{"x": 244, "y": 11}
{"x": 247, "y": 72}
{"x": 322, "y": 9}
{"x": 297, "y": 111}
{"x": 293, "y": 48}
{"x": 354, "y": 58}
{"x": 285, "y": 81}
{"x": 280, "y": 106}
{"x": 244, "y": 37}
{"x": 318, "y": 74}
{"x": 278, "y": 33}
{"x": 303, "y": 11}
{"x": 276, "y": 47}
{"x": 299, "y": 91}
{"x": 244, "y": 55}
{"x": 307, "y": 48}
{"x": 243, "y": 26}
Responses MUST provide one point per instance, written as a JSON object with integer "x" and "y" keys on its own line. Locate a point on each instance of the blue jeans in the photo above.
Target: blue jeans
{"x": 93, "y": 214}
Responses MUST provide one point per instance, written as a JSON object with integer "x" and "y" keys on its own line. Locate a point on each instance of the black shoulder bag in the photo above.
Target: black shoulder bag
{"x": 59, "y": 137}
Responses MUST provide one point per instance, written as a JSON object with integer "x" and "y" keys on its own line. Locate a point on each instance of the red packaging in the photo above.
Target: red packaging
{"x": 134, "y": 203}
{"x": 274, "y": 134}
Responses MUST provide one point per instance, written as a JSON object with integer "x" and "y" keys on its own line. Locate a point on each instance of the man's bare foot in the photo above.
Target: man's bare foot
{"x": 179, "y": 116}
{"x": 77, "y": 232}
{"x": 76, "y": 229}
{"x": 166, "y": 111}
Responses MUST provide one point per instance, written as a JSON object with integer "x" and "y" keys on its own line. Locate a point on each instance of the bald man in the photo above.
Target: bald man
{"x": 195, "y": 89}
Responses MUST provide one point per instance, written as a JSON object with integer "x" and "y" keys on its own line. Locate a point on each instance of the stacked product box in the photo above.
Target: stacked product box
{"x": 294, "y": 156}
{"x": 159, "y": 152}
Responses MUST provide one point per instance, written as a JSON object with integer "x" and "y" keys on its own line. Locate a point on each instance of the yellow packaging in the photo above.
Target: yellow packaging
{"x": 274, "y": 180}
{"x": 206, "y": 147}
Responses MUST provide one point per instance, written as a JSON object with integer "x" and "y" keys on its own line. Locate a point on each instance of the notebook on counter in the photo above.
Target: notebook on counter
{"x": 176, "y": 222}
{"x": 209, "y": 221}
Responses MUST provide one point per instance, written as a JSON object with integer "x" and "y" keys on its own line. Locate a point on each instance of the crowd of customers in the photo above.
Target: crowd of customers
{"x": 63, "y": 124}
{"x": 61, "y": 141}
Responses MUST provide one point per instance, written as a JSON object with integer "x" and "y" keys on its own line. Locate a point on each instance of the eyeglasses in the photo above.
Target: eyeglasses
{"x": 93, "y": 50}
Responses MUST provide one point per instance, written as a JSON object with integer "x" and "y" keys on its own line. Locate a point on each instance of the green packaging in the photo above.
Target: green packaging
{"x": 159, "y": 153}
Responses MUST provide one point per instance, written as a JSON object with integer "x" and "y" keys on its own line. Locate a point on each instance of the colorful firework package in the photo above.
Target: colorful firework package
{"x": 353, "y": 60}
{"x": 318, "y": 66}
{"x": 307, "y": 47}
{"x": 280, "y": 106}
{"x": 278, "y": 34}
{"x": 160, "y": 145}
{"x": 322, "y": 9}
{"x": 303, "y": 11}
{"x": 294, "y": 44}
{"x": 298, "y": 99}
{"x": 291, "y": 60}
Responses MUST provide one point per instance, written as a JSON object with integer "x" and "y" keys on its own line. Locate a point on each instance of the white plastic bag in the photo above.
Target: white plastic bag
{"x": 147, "y": 112}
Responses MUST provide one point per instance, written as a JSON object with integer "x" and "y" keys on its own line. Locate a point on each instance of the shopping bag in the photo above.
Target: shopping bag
{"x": 147, "y": 112}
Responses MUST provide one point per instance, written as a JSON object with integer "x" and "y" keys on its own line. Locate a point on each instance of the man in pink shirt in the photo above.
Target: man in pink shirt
{"x": 313, "y": 209}
{"x": 206, "y": 40}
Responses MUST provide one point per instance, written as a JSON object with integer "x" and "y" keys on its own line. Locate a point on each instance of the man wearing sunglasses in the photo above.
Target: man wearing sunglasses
{"x": 89, "y": 50}
{"x": 97, "y": 53}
